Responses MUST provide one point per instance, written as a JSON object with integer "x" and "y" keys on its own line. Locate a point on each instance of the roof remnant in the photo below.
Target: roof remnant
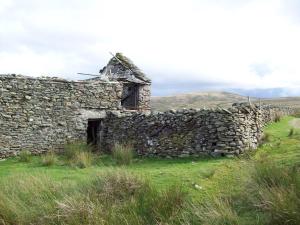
{"x": 122, "y": 68}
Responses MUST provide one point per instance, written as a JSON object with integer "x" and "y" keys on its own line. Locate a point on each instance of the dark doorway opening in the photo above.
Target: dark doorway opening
{"x": 130, "y": 96}
{"x": 93, "y": 132}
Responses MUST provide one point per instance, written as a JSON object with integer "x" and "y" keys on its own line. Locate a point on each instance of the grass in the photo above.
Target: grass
{"x": 277, "y": 117}
{"x": 123, "y": 154}
{"x": 266, "y": 137}
{"x": 25, "y": 156}
{"x": 49, "y": 159}
{"x": 108, "y": 198}
{"x": 291, "y": 133}
{"x": 78, "y": 154}
{"x": 262, "y": 188}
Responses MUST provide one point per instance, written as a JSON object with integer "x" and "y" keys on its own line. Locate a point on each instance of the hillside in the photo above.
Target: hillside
{"x": 212, "y": 99}
{"x": 196, "y": 100}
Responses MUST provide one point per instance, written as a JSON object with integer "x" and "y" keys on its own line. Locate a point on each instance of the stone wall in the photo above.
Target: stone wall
{"x": 191, "y": 132}
{"x": 41, "y": 114}
{"x": 144, "y": 97}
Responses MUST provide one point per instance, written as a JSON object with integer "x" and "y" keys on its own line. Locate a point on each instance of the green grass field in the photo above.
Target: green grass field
{"x": 213, "y": 190}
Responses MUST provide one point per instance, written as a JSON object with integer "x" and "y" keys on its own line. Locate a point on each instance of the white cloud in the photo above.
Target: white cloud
{"x": 173, "y": 41}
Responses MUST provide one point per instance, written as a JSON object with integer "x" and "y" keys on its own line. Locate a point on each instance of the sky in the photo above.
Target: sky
{"x": 250, "y": 47}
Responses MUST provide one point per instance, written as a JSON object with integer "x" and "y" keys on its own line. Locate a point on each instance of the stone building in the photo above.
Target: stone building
{"x": 44, "y": 113}
{"x": 40, "y": 114}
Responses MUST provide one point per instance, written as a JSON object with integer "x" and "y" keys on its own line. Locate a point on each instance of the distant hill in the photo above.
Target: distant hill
{"x": 212, "y": 99}
{"x": 196, "y": 100}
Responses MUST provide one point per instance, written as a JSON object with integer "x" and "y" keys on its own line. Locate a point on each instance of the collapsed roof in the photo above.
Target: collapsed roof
{"x": 122, "y": 68}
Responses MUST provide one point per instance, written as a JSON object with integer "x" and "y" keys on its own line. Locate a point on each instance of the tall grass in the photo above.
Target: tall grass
{"x": 266, "y": 137}
{"x": 291, "y": 132}
{"x": 25, "y": 156}
{"x": 277, "y": 117}
{"x": 278, "y": 189}
{"x": 116, "y": 197}
{"x": 49, "y": 158}
{"x": 123, "y": 154}
{"x": 269, "y": 195}
{"x": 216, "y": 211}
{"x": 28, "y": 199}
{"x": 78, "y": 154}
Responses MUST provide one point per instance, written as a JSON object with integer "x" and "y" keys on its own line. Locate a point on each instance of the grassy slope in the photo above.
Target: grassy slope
{"x": 164, "y": 172}
{"x": 211, "y": 100}
{"x": 206, "y": 180}
{"x": 196, "y": 100}
{"x": 281, "y": 147}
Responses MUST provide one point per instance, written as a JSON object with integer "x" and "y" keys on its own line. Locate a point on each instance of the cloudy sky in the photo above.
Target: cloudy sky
{"x": 248, "y": 46}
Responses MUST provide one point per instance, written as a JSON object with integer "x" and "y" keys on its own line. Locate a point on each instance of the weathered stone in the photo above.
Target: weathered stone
{"x": 176, "y": 134}
{"x": 45, "y": 113}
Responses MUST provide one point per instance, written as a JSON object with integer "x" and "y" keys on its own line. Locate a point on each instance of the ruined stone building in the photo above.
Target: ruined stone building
{"x": 39, "y": 114}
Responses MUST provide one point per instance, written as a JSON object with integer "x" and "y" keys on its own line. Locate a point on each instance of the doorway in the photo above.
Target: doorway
{"x": 94, "y": 132}
{"x": 130, "y": 96}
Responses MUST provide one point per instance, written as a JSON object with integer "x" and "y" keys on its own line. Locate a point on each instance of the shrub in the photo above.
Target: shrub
{"x": 25, "y": 156}
{"x": 49, "y": 159}
{"x": 123, "y": 154}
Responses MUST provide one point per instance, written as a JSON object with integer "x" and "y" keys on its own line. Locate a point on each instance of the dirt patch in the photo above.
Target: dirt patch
{"x": 295, "y": 123}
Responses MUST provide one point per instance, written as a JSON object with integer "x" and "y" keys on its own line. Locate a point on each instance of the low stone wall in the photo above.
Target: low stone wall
{"x": 41, "y": 114}
{"x": 191, "y": 132}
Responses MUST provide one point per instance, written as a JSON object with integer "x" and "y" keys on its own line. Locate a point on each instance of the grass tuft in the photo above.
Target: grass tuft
{"x": 49, "y": 159}
{"x": 291, "y": 133}
{"x": 277, "y": 118}
{"x": 78, "y": 154}
{"x": 72, "y": 149}
{"x": 123, "y": 154}
{"x": 268, "y": 174}
{"x": 25, "y": 156}
{"x": 82, "y": 160}
{"x": 28, "y": 199}
{"x": 217, "y": 211}
{"x": 265, "y": 138}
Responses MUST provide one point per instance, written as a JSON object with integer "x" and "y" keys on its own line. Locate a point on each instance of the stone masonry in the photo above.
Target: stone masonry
{"x": 191, "y": 132}
{"x": 42, "y": 114}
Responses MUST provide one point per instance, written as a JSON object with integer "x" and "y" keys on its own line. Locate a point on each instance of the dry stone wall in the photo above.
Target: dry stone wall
{"x": 41, "y": 114}
{"x": 191, "y": 132}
